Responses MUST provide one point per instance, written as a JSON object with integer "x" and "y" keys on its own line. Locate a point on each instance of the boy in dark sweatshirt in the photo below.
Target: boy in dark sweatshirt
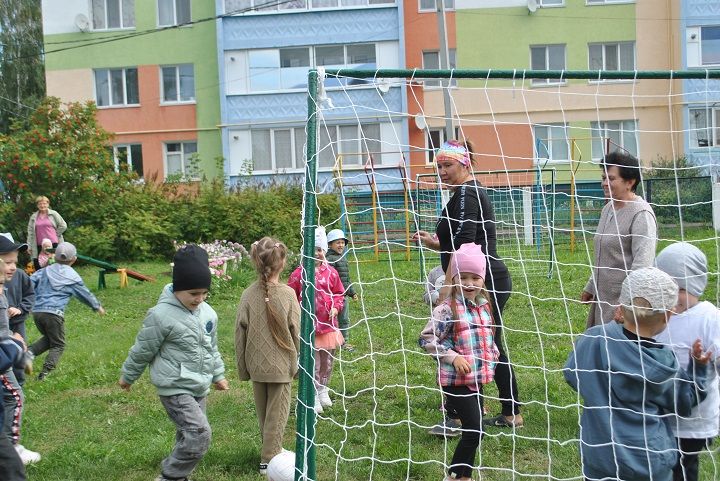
{"x": 336, "y": 258}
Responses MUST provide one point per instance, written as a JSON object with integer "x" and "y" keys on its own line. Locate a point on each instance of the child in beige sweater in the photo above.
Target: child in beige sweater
{"x": 267, "y": 343}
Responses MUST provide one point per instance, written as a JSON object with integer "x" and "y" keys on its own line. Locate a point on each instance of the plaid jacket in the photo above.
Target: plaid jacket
{"x": 470, "y": 336}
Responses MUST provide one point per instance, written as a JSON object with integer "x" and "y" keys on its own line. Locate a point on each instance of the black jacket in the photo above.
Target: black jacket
{"x": 20, "y": 293}
{"x": 339, "y": 262}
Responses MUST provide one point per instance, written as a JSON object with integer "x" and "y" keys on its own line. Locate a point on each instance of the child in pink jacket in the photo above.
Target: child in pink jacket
{"x": 329, "y": 299}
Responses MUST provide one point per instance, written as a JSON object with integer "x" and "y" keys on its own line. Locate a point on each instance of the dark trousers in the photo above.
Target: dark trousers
{"x": 11, "y": 467}
{"x": 19, "y": 328}
{"x": 688, "y": 463}
{"x": 468, "y": 405}
{"x": 499, "y": 291}
{"x": 52, "y": 328}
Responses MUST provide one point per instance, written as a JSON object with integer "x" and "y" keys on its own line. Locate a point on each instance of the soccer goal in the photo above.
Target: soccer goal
{"x": 538, "y": 154}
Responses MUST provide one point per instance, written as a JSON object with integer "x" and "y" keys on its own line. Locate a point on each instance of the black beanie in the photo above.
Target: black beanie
{"x": 191, "y": 269}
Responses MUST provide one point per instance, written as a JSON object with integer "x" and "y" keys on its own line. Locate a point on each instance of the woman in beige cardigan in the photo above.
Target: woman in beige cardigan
{"x": 625, "y": 239}
{"x": 44, "y": 224}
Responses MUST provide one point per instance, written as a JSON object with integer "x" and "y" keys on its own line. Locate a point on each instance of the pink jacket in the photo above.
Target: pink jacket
{"x": 329, "y": 293}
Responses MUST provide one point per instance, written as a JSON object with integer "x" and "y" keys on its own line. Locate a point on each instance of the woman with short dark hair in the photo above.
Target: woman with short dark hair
{"x": 625, "y": 239}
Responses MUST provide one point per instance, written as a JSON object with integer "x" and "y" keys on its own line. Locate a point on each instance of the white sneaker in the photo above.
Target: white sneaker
{"x": 27, "y": 456}
{"x": 324, "y": 395}
{"x": 318, "y": 405}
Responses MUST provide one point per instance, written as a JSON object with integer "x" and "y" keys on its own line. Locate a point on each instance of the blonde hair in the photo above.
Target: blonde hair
{"x": 639, "y": 312}
{"x": 268, "y": 256}
{"x": 41, "y": 197}
{"x": 3, "y": 266}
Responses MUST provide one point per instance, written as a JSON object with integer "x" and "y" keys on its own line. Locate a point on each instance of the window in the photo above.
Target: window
{"x": 612, "y": 56}
{"x": 178, "y": 83}
{"x": 173, "y": 12}
{"x": 551, "y": 142}
{"x": 607, "y": 2}
{"x": 178, "y": 159}
{"x": 710, "y": 45}
{"x": 551, "y": 3}
{"x": 431, "y": 60}
{"x": 354, "y": 142}
{"x": 434, "y": 139}
{"x": 613, "y": 136}
{"x": 116, "y": 87}
{"x": 431, "y": 6}
{"x": 278, "y": 149}
{"x": 130, "y": 157}
{"x": 265, "y": 6}
{"x": 109, "y": 14}
{"x": 704, "y": 125}
{"x": 547, "y": 57}
{"x": 287, "y": 68}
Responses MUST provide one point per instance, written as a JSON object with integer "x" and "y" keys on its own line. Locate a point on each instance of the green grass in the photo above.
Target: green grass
{"x": 87, "y": 428}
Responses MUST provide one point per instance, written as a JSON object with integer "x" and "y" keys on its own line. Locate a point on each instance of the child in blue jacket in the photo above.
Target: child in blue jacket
{"x": 630, "y": 384}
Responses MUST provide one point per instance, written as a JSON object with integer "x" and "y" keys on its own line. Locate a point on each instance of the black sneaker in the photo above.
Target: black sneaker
{"x": 500, "y": 421}
{"x": 263, "y": 469}
{"x": 450, "y": 428}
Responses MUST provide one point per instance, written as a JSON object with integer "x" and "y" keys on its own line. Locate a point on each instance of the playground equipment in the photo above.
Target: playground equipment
{"x": 108, "y": 268}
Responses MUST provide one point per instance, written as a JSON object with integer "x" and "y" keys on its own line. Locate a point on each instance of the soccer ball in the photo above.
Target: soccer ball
{"x": 282, "y": 467}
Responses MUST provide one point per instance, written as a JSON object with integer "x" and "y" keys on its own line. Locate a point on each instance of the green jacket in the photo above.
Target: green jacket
{"x": 179, "y": 345}
{"x": 339, "y": 262}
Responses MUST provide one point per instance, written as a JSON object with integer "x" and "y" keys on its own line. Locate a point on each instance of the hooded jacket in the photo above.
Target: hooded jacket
{"x": 629, "y": 391}
{"x": 179, "y": 345}
{"x": 55, "y": 285}
{"x": 55, "y": 219}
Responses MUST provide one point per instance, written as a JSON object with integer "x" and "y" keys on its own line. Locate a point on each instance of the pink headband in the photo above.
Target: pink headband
{"x": 454, "y": 150}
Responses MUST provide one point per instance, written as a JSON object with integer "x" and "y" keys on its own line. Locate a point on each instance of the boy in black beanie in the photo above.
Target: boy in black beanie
{"x": 178, "y": 341}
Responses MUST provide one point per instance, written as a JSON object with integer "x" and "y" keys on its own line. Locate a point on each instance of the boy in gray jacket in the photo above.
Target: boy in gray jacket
{"x": 178, "y": 340}
{"x": 54, "y": 286}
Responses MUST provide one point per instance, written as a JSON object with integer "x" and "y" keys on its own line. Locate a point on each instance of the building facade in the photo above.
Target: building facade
{"x": 155, "y": 83}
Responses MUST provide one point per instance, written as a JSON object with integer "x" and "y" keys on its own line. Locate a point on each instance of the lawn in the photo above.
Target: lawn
{"x": 385, "y": 398}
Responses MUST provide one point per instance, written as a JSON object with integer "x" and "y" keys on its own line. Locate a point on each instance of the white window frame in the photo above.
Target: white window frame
{"x": 449, "y": 6}
{"x": 548, "y": 81}
{"x": 183, "y": 154}
{"x": 359, "y": 150}
{"x": 712, "y": 124}
{"x": 297, "y": 164}
{"x": 175, "y": 13}
{"x": 551, "y": 158}
{"x": 607, "y": 2}
{"x": 109, "y": 92}
{"x": 178, "y": 99}
{"x": 700, "y": 43}
{"x": 617, "y": 46}
{"x": 551, "y": 3}
{"x": 313, "y": 63}
{"x": 625, "y": 128}
{"x": 128, "y": 156}
{"x": 295, "y": 6}
{"x": 430, "y": 149}
{"x": 430, "y": 84}
{"x": 105, "y": 12}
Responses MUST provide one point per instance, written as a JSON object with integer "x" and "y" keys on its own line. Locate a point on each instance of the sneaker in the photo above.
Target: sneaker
{"x": 263, "y": 469}
{"x": 27, "y": 456}
{"x": 42, "y": 376}
{"x": 324, "y": 396}
{"x": 318, "y": 405}
{"x": 348, "y": 347}
{"x": 500, "y": 421}
{"x": 450, "y": 428}
{"x": 163, "y": 478}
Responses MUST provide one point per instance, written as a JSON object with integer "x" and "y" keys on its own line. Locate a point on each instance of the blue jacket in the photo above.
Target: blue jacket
{"x": 55, "y": 285}
{"x": 627, "y": 390}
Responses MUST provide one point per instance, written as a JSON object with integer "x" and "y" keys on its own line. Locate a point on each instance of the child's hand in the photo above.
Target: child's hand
{"x": 461, "y": 365}
{"x": 101, "y": 311}
{"x": 124, "y": 385}
{"x": 223, "y": 385}
{"x": 333, "y": 313}
{"x": 13, "y": 311}
{"x": 698, "y": 355}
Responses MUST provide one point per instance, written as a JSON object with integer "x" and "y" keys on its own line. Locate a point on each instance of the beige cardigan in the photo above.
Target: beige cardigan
{"x": 625, "y": 240}
{"x": 259, "y": 358}
{"x": 57, "y": 221}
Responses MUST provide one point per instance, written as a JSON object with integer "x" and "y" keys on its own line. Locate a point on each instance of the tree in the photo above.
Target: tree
{"x": 22, "y": 71}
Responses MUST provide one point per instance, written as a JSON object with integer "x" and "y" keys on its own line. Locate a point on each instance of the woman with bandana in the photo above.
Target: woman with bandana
{"x": 469, "y": 217}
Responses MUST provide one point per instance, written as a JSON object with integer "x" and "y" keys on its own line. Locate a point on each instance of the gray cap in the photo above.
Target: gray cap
{"x": 651, "y": 284}
{"x": 687, "y": 265}
{"x": 65, "y": 251}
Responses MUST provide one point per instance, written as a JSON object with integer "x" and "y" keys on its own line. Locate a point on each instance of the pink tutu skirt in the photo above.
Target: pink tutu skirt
{"x": 329, "y": 340}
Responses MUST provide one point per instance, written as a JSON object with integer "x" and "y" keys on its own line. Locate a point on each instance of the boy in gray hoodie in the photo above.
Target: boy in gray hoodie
{"x": 178, "y": 340}
{"x": 54, "y": 286}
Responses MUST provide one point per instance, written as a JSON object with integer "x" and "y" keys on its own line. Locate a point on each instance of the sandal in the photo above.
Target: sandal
{"x": 500, "y": 421}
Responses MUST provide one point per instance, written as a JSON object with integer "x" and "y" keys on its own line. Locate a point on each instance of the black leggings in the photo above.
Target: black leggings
{"x": 468, "y": 405}
{"x": 688, "y": 460}
{"x": 499, "y": 291}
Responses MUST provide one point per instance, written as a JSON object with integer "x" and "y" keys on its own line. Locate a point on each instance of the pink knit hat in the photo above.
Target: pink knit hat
{"x": 468, "y": 258}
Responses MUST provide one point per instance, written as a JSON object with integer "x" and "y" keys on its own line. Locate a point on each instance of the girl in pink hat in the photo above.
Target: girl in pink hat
{"x": 460, "y": 335}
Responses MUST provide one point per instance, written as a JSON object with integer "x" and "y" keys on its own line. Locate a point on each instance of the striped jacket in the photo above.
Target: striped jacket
{"x": 470, "y": 336}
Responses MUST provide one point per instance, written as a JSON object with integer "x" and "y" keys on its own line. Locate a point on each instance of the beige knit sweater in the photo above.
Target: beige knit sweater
{"x": 258, "y": 355}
